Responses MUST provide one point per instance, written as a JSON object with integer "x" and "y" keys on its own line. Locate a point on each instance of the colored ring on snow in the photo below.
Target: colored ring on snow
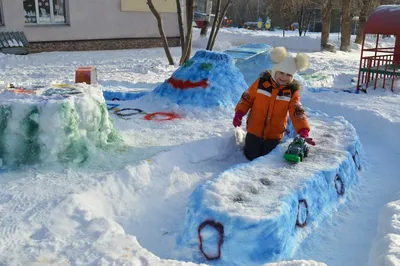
{"x": 220, "y": 229}
{"x": 340, "y": 190}
{"x": 298, "y": 223}
{"x": 168, "y": 116}
{"x": 356, "y": 155}
{"x": 136, "y": 111}
{"x": 111, "y": 106}
{"x": 23, "y": 91}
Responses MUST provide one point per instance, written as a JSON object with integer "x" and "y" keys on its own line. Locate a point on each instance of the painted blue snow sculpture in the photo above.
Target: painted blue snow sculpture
{"x": 208, "y": 79}
{"x": 261, "y": 211}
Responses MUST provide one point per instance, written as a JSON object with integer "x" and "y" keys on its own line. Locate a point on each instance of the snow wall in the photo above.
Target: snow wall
{"x": 57, "y": 123}
{"x": 261, "y": 211}
{"x": 123, "y": 95}
{"x": 385, "y": 249}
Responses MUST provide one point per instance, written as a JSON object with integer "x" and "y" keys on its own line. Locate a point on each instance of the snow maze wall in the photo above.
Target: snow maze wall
{"x": 261, "y": 211}
{"x": 56, "y": 123}
{"x": 252, "y": 213}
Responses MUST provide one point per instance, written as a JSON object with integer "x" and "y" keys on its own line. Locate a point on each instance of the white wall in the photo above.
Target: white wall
{"x": 90, "y": 19}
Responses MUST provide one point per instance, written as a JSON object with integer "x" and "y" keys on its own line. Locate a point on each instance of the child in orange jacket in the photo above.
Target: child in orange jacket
{"x": 270, "y": 98}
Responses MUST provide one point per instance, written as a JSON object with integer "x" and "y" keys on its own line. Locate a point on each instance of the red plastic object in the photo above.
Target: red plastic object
{"x": 86, "y": 75}
{"x": 23, "y": 91}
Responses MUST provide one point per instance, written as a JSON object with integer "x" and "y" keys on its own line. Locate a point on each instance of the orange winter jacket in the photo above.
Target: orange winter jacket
{"x": 269, "y": 104}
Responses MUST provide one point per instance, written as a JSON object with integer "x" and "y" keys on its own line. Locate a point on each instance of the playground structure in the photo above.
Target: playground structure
{"x": 380, "y": 62}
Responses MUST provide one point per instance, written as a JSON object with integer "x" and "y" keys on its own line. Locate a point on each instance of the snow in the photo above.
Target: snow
{"x": 48, "y": 124}
{"x": 386, "y": 247}
{"x": 390, "y": 8}
{"x": 128, "y": 207}
{"x": 256, "y": 203}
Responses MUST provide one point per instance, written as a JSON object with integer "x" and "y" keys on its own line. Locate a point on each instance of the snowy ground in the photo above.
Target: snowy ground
{"x": 104, "y": 212}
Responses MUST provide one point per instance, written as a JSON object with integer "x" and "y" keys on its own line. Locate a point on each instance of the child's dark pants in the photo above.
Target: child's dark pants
{"x": 255, "y": 147}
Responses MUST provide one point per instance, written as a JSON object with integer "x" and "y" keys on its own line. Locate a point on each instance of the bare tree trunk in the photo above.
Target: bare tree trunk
{"x": 326, "y": 23}
{"x": 214, "y": 26}
{"x": 308, "y": 20}
{"x": 282, "y": 8}
{"x": 301, "y": 18}
{"x": 208, "y": 11}
{"x": 368, "y": 6}
{"x": 180, "y": 23}
{"x": 221, "y": 19}
{"x": 345, "y": 27}
{"x": 188, "y": 40}
{"x": 161, "y": 30}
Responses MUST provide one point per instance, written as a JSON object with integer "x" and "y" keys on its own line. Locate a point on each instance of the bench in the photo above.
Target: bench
{"x": 13, "y": 43}
{"x": 384, "y": 69}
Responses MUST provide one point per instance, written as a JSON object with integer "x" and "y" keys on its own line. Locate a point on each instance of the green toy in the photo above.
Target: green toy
{"x": 297, "y": 150}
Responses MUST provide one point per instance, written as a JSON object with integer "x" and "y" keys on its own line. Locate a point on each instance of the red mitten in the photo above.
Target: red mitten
{"x": 237, "y": 120}
{"x": 304, "y": 134}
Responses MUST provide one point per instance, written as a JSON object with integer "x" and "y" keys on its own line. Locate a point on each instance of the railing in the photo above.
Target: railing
{"x": 376, "y": 67}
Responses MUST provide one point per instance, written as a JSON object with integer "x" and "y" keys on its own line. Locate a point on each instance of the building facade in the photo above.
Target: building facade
{"x": 89, "y": 24}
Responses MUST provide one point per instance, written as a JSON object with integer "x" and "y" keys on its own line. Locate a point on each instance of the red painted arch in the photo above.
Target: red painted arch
{"x": 384, "y": 20}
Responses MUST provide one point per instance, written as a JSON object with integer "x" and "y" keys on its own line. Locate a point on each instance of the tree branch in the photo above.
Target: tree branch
{"x": 161, "y": 30}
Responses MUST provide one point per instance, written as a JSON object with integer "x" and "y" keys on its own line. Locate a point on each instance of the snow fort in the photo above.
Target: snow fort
{"x": 57, "y": 123}
{"x": 208, "y": 79}
{"x": 261, "y": 211}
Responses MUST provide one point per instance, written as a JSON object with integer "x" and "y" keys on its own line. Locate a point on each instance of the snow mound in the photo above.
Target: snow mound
{"x": 261, "y": 211}
{"x": 59, "y": 123}
{"x": 386, "y": 246}
{"x": 208, "y": 79}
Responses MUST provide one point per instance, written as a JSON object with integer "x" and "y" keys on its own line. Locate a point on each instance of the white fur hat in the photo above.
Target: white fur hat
{"x": 288, "y": 63}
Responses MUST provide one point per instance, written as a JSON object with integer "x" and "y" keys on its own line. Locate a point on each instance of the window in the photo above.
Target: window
{"x": 45, "y": 11}
{"x": 1, "y": 14}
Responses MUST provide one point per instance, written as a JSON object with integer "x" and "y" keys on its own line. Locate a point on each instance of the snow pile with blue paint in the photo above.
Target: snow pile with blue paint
{"x": 123, "y": 95}
{"x": 225, "y": 83}
{"x": 251, "y": 209}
